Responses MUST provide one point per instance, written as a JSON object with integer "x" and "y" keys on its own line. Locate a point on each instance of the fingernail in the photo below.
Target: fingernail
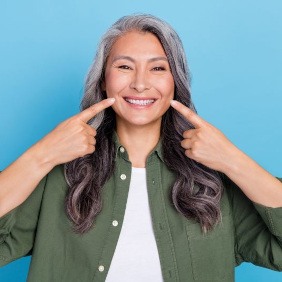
{"x": 172, "y": 102}
{"x": 111, "y": 99}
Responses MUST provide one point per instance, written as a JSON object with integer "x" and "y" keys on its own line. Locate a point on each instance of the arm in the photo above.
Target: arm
{"x": 209, "y": 146}
{"x": 256, "y": 183}
{"x": 71, "y": 139}
{"x": 17, "y": 227}
{"x": 19, "y": 179}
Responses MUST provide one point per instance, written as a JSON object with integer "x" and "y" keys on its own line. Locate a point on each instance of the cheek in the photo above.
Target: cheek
{"x": 114, "y": 83}
{"x": 166, "y": 87}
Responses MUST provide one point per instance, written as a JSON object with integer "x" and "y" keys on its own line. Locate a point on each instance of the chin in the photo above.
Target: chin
{"x": 146, "y": 123}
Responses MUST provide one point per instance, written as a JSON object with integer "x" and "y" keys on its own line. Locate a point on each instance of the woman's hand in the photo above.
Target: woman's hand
{"x": 205, "y": 144}
{"x": 72, "y": 138}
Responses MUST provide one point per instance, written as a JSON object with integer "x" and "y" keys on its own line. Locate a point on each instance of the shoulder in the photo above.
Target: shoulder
{"x": 56, "y": 177}
{"x": 240, "y": 205}
{"x": 56, "y": 174}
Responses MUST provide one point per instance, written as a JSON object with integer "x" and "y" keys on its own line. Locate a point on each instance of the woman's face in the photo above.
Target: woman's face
{"x": 138, "y": 76}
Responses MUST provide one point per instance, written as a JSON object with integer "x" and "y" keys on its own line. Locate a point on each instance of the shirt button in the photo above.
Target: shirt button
{"x": 121, "y": 149}
{"x": 123, "y": 177}
{"x": 101, "y": 268}
{"x": 115, "y": 223}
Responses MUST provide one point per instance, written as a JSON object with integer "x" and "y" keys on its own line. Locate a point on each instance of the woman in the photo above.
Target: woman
{"x": 153, "y": 192}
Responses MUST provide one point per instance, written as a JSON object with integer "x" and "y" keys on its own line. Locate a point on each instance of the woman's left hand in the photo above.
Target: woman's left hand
{"x": 208, "y": 146}
{"x": 205, "y": 144}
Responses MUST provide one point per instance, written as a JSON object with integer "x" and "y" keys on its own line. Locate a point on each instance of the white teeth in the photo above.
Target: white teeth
{"x": 140, "y": 102}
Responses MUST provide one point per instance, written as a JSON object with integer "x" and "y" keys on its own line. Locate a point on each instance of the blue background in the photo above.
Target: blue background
{"x": 234, "y": 53}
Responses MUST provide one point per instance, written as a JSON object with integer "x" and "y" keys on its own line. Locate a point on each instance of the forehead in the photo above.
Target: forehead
{"x": 136, "y": 43}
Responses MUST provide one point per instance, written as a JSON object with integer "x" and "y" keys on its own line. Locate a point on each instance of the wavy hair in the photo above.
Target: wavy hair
{"x": 197, "y": 190}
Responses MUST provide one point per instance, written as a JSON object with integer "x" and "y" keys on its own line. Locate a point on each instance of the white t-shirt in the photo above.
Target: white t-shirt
{"x": 136, "y": 256}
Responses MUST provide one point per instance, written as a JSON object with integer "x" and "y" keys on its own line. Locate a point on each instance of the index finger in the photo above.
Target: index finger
{"x": 192, "y": 117}
{"x": 92, "y": 111}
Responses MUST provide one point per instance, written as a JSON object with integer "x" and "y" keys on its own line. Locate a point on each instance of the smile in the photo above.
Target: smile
{"x": 140, "y": 102}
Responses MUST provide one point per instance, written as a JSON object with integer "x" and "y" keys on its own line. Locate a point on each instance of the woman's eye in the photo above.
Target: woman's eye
{"x": 124, "y": 67}
{"x": 158, "y": 68}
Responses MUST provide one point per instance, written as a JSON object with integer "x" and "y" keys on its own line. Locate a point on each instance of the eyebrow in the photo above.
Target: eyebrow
{"x": 121, "y": 57}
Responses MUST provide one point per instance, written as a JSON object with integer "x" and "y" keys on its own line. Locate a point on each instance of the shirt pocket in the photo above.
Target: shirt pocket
{"x": 212, "y": 254}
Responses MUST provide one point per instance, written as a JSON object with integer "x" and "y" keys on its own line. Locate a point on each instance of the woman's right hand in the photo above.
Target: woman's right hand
{"x": 71, "y": 139}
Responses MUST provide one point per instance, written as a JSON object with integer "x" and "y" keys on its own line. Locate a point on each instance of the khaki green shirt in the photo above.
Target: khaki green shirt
{"x": 248, "y": 232}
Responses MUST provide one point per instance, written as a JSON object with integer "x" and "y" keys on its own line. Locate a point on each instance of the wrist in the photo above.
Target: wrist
{"x": 233, "y": 162}
{"x": 38, "y": 156}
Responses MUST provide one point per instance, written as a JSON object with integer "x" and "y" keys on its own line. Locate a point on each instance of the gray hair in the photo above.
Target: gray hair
{"x": 144, "y": 23}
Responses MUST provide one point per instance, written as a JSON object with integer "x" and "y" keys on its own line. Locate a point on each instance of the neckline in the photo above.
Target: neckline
{"x": 138, "y": 168}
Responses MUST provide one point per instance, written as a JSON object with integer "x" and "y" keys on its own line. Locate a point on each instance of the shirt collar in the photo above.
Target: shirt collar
{"x": 121, "y": 150}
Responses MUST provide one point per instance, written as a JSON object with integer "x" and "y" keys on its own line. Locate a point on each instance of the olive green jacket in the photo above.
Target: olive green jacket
{"x": 248, "y": 232}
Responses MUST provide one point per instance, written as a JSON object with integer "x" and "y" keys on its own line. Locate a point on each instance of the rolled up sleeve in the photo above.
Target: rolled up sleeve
{"x": 17, "y": 228}
{"x": 258, "y": 230}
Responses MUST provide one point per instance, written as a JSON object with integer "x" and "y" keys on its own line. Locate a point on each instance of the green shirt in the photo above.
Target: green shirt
{"x": 248, "y": 232}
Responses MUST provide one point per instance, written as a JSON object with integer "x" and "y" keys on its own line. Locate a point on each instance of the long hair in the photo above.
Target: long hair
{"x": 197, "y": 190}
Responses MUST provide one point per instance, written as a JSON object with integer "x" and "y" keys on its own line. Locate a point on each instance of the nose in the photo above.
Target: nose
{"x": 140, "y": 81}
